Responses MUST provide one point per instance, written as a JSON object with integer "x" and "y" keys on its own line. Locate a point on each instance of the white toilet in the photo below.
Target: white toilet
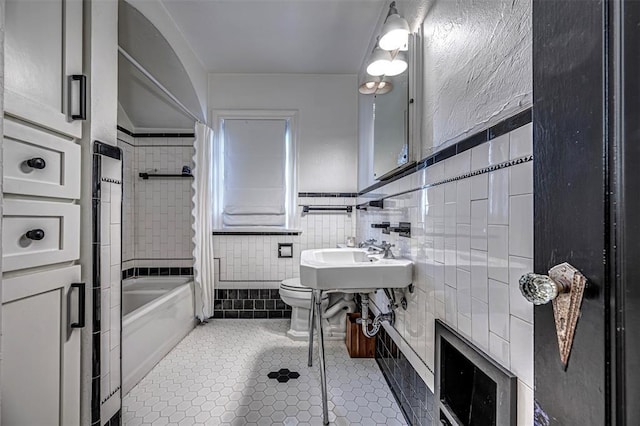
{"x": 335, "y": 307}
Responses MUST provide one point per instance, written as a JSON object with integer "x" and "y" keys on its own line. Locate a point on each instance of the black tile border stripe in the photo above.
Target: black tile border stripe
{"x": 255, "y": 233}
{"x": 110, "y": 395}
{"x": 108, "y": 150}
{"x": 155, "y": 135}
{"x": 482, "y": 171}
{"x": 508, "y": 125}
{"x": 155, "y": 271}
{"x": 328, "y": 194}
{"x": 109, "y": 180}
{"x": 126, "y": 131}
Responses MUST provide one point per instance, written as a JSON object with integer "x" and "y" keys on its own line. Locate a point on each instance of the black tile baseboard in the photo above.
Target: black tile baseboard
{"x": 250, "y": 304}
{"x": 412, "y": 394}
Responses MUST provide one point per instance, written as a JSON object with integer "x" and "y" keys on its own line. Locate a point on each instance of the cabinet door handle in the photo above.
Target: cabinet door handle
{"x": 36, "y": 163}
{"x": 81, "y": 305}
{"x": 82, "y": 101}
{"x": 35, "y": 234}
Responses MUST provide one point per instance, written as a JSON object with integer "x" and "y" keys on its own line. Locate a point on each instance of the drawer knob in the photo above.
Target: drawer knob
{"x": 36, "y": 163}
{"x": 35, "y": 234}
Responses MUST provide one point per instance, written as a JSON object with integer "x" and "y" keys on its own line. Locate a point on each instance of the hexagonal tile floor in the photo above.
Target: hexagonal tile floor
{"x": 218, "y": 375}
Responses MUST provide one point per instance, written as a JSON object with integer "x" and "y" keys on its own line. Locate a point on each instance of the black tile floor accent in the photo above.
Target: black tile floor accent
{"x": 283, "y": 375}
{"x": 412, "y": 394}
{"x": 250, "y": 304}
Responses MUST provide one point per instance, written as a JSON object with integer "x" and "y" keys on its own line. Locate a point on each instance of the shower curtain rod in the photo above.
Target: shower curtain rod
{"x": 159, "y": 85}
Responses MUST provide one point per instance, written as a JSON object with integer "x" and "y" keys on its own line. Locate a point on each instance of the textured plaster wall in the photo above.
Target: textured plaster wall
{"x": 476, "y": 71}
{"x": 477, "y": 67}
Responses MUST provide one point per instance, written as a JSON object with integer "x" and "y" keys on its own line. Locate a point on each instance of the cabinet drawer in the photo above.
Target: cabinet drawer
{"x": 36, "y": 233}
{"x": 39, "y": 163}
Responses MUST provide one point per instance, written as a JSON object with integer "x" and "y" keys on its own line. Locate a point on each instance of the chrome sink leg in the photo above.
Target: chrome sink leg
{"x": 311, "y": 318}
{"x": 323, "y": 373}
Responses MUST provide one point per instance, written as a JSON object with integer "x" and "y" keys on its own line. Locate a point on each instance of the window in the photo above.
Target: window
{"x": 255, "y": 170}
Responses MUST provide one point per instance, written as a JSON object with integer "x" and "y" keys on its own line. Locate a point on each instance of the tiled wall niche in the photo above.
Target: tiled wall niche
{"x": 472, "y": 238}
{"x": 157, "y": 219}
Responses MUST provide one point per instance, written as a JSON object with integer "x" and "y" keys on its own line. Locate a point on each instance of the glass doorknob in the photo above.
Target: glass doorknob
{"x": 539, "y": 289}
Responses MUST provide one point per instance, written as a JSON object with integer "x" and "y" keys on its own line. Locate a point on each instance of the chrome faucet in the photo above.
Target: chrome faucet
{"x": 368, "y": 243}
{"x": 385, "y": 249}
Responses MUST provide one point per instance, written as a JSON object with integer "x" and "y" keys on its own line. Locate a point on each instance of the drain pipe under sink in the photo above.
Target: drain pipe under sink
{"x": 377, "y": 321}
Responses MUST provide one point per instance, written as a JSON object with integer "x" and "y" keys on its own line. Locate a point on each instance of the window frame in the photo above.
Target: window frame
{"x": 291, "y": 118}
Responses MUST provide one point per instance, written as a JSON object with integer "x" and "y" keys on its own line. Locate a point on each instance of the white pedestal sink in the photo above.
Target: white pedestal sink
{"x": 349, "y": 271}
{"x": 352, "y": 270}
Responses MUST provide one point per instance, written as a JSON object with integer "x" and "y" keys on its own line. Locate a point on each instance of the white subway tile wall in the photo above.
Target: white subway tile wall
{"x": 251, "y": 261}
{"x": 157, "y": 212}
{"x": 471, "y": 240}
{"x": 110, "y": 203}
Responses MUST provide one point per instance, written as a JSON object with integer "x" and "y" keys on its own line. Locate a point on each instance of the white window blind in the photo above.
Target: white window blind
{"x": 254, "y": 172}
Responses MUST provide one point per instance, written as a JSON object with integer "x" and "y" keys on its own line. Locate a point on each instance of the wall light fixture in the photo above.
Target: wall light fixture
{"x": 375, "y": 86}
{"x": 395, "y": 31}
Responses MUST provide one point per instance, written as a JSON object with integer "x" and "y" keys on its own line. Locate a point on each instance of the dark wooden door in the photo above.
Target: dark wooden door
{"x": 586, "y": 119}
{"x": 626, "y": 328}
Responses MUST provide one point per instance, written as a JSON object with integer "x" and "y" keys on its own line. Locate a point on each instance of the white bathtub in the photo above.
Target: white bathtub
{"x": 158, "y": 313}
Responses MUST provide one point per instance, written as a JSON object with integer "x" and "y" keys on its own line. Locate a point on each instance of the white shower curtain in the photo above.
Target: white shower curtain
{"x": 203, "y": 267}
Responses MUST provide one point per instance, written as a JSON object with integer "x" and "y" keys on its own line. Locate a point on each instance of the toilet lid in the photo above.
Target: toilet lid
{"x": 293, "y": 284}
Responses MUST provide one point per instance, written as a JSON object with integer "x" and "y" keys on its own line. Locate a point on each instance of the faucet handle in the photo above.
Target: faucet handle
{"x": 386, "y": 247}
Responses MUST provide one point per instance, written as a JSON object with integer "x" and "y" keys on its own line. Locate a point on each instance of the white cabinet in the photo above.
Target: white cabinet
{"x": 43, "y": 53}
{"x": 41, "y": 317}
{"x": 42, "y": 301}
{"x": 38, "y": 233}
{"x": 39, "y": 163}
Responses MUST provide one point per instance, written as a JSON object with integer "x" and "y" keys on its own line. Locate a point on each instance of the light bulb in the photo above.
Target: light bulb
{"x": 380, "y": 61}
{"x": 396, "y": 67}
{"x": 395, "y": 33}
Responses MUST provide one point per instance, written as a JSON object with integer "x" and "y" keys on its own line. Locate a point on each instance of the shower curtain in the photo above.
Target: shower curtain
{"x": 203, "y": 267}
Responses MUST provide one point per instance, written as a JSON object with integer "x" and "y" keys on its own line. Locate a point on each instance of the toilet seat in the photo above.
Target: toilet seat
{"x": 293, "y": 284}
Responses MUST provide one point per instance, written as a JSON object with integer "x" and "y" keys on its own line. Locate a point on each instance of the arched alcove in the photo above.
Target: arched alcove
{"x": 142, "y": 104}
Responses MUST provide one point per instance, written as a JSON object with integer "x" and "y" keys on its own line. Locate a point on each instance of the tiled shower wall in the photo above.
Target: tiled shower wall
{"x": 251, "y": 261}
{"x": 107, "y": 203}
{"x": 157, "y": 212}
{"x": 472, "y": 238}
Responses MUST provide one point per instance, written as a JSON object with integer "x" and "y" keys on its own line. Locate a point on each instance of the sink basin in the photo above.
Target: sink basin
{"x": 352, "y": 270}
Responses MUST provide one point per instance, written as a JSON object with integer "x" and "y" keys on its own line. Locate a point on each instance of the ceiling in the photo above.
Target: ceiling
{"x": 278, "y": 36}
